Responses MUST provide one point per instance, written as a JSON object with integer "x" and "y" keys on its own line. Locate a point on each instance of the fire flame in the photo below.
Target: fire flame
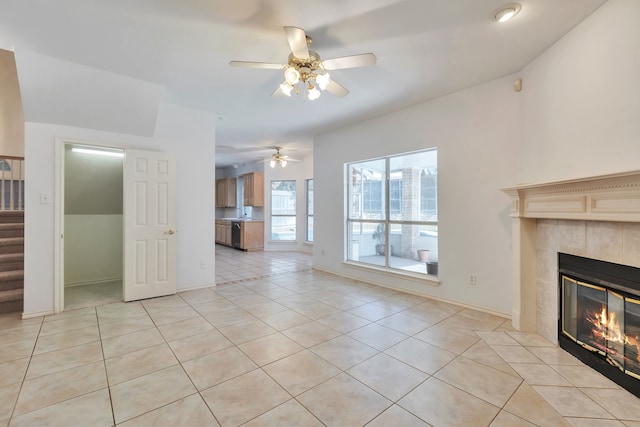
{"x": 608, "y": 327}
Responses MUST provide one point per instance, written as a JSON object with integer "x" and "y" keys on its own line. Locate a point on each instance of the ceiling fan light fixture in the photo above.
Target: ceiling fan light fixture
{"x": 314, "y": 93}
{"x": 272, "y": 163}
{"x": 283, "y": 163}
{"x": 286, "y": 88}
{"x": 507, "y": 12}
{"x": 291, "y": 76}
{"x": 323, "y": 80}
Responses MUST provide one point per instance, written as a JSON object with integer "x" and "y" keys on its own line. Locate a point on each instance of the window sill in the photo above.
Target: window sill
{"x": 394, "y": 273}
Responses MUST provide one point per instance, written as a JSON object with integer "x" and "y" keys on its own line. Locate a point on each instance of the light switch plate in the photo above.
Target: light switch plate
{"x": 44, "y": 198}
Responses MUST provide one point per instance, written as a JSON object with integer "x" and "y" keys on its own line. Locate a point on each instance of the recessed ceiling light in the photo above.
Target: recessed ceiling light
{"x": 507, "y": 12}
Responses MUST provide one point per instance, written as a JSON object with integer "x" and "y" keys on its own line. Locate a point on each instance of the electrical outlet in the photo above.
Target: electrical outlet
{"x": 202, "y": 266}
{"x": 472, "y": 279}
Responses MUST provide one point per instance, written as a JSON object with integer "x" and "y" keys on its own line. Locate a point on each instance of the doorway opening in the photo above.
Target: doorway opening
{"x": 92, "y": 215}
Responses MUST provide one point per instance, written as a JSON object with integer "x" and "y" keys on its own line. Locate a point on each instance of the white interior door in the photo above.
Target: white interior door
{"x": 149, "y": 225}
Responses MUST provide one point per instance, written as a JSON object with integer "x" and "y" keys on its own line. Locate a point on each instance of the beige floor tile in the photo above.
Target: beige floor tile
{"x": 554, "y": 356}
{"x": 515, "y": 354}
{"x": 595, "y": 422}
{"x": 229, "y": 317}
{"x": 13, "y": 371}
{"x": 199, "y": 296}
{"x": 285, "y": 319}
{"x": 572, "y": 402}
{"x": 171, "y": 315}
{"x": 483, "y": 382}
{"x": 479, "y": 315}
{"x": 343, "y": 351}
{"x": 310, "y": 334}
{"x": 14, "y": 320}
{"x": 421, "y": 355}
{"x": 70, "y": 313}
{"x": 344, "y": 322}
{"x": 290, "y": 414}
{"x": 20, "y": 333}
{"x": 539, "y": 374}
{"x": 214, "y": 368}
{"x": 372, "y": 312}
{"x": 327, "y": 402}
{"x": 427, "y": 314}
{"x": 244, "y": 398}
{"x": 620, "y": 403}
{"x": 531, "y": 339}
{"x": 441, "y": 305}
{"x": 496, "y": 338}
{"x": 152, "y": 391}
{"x": 69, "y": 324}
{"x": 467, "y": 325}
{"x": 275, "y": 293}
{"x": 125, "y": 326}
{"x": 270, "y": 348}
{"x": 54, "y": 361}
{"x": 199, "y": 345}
{"x": 396, "y": 416}
{"x": 248, "y": 300}
{"x": 378, "y": 336}
{"x": 482, "y": 353}
{"x": 16, "y": 350}
{"x": 8, "y": 398}
{"x": 139, "y": 363}
{"x": 119, "y": 311}
{"x": 123, "y": 344}
{"x": 632, "y": 424}
{"x": 246, "y": 331}
{"x": 91, "y": 409}
{"x": 343, "y": 302}
{"x": 189, "y": 411}
{"x": 527, "y": 404}
{"x": 505, "y": 419}
{"x": 455, "y": 342}
{"x": 185, "y": 328}
{"x": 404, "y": 323}
{"x": 66, "y": 339}
{"x": 66, "y": 384}
{"x": 301, "y": 371}
{"x": 388, "y": 376}
{"x": 316, "y": 310}
{"x": 213, "y": 307}
{"x": 161, "y": 304}
{"x": 583, "y": 376}
{"x": 469, "y": 410}
{"x": 265, "y": 309}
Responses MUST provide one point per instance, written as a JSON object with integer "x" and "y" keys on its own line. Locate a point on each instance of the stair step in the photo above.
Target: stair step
{"x": 11, "y": 230}
{"x": 11, "y": 307}
{"x": 8, "y": 258}
{"x": 12, "y": 245}
{"x": 11, "y": 216}
{"x": 12, "y": 284}
{"x": 7, "y": 276}
{"x": 11, "y": 295}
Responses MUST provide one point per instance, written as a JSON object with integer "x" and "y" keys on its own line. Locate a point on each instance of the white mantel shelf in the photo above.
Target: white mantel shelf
{"x": 613, "y": 197}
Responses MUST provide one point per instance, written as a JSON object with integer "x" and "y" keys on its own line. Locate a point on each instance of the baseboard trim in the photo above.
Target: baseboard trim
{"x": 37, "y": 314}
{"x": 92, "y": 282}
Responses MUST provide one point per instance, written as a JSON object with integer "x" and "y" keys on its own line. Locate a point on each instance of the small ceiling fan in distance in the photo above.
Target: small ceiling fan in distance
{"x": 278, "y": 159}
{"x": 305, "y": 72}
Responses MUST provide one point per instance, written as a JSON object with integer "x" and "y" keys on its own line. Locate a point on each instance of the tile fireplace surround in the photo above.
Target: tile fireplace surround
{"x": 595, "y": 217}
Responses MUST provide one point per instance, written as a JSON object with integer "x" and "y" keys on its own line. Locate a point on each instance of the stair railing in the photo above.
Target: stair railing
{"x": 11, "y": 183}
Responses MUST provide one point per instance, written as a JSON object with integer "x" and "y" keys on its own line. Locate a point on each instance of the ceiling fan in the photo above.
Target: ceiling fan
{"x": 278, "y": 159}
{"x": 305, "y": 71}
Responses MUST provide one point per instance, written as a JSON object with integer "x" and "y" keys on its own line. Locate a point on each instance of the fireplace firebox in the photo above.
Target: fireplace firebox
{"x": 599, "y": 321}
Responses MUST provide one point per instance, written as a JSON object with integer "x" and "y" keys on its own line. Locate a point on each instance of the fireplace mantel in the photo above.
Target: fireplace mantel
{"x": 613, "y": 197}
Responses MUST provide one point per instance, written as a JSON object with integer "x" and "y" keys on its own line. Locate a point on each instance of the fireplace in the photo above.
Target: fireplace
{"x": 599, "y": 319}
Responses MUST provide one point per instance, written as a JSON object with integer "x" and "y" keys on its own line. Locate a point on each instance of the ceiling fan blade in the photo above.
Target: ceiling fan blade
{"x": 353, "y": 61}
{"x": 297, "y": 41}
{"x": 336, "y": 90}
{"x": 249, "y": 64}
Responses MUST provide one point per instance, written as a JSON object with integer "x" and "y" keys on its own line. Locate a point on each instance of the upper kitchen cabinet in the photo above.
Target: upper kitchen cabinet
{"x": 253, "y": 189}
{"x": 226, "y": 193}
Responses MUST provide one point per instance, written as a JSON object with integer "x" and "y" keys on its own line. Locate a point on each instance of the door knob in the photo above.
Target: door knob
{"x": 171, "y": 232}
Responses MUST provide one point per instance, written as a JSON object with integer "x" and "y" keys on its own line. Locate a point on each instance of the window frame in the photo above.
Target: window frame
{"x": 309, "y": 195}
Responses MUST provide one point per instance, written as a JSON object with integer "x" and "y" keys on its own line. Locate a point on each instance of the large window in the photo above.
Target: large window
{"x": 310, "y": 210}
{"x": 283, "y": 210}
{"x": 392, "y": 219}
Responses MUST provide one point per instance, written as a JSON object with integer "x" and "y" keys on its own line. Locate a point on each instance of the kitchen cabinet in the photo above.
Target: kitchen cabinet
{"x": 226, "y": 193}
{"x": 252, "y": 235}
{"x": 223, "y": 232}
{"x": 253, "y": 189}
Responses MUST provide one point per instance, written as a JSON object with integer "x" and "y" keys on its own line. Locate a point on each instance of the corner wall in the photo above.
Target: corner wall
{"x": 477, "y": 133}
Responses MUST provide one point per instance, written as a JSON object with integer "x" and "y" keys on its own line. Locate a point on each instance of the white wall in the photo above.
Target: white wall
{"x": 477, "y": 135}
{"x": 582, "y": 100}
{"x": 187, "y": 134}
{"x": 11, "y": 115}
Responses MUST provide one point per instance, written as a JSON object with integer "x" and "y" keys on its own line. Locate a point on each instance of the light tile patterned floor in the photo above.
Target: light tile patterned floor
{"x": 293, "y": 347}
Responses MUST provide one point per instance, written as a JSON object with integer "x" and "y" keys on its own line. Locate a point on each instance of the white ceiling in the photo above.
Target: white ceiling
{"x": 425, "y": 49}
